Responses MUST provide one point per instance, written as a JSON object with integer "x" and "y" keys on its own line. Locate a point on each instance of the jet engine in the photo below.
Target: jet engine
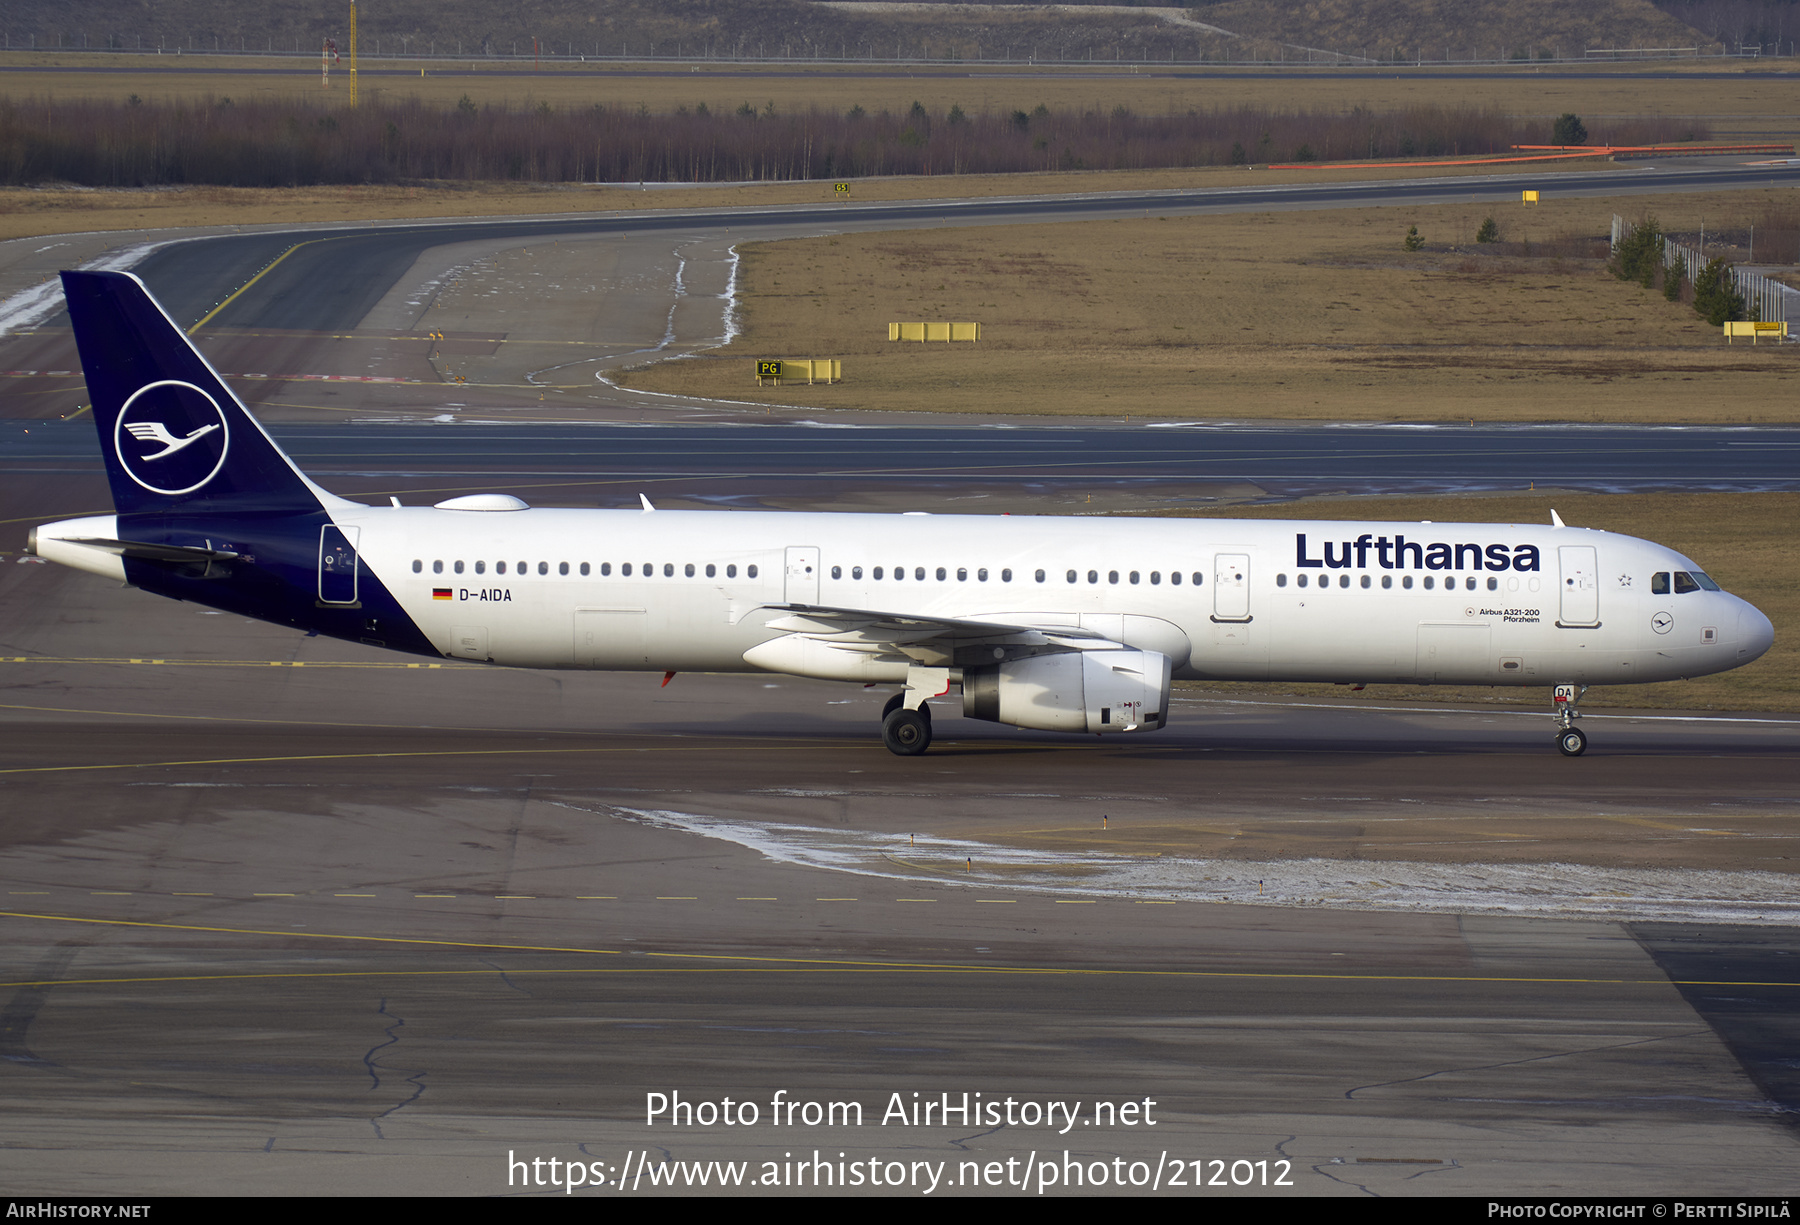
{"x": 1119, "y": 690}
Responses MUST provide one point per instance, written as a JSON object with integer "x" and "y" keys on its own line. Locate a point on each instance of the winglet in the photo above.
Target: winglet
{"x": 646, "y": 501}
{"x": 1556, "y": 520}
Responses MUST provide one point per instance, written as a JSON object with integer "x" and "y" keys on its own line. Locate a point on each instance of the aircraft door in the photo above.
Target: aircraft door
{"x": 1231, "y": 587}
{"x": 1580, "y": 585}
{"x": 802, "y": 574}
{"x": 338, "y": 565}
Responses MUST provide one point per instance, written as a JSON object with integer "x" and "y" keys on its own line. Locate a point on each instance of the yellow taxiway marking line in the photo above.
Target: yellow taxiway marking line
{"x": 418, "y": 895}
{"x": 759, "y": 899}
{"x": 677, "y": 899}
{"x": 267, "y": 268}
{"x": 353, "y": 895}
{"x": 997, "y": 901}
{"x": 915, "y": 899}
{"x": 253, "y": 761}
{"x": 834, "y": 899}
{"x": 596, "y": 897}
{"x": 791, "y": 964}
{"x": 1075, "y": 901}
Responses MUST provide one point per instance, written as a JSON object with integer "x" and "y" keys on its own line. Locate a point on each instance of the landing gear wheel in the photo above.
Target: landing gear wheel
{"x": 1571, "y": 742}
{"x": 907, "y": 733}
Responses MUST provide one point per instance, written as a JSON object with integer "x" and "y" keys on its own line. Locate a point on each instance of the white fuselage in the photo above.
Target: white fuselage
{"x": 1382, "y": 602}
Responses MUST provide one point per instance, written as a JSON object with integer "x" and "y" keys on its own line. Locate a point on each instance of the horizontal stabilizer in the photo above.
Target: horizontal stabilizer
{"x": 152, "y": 552}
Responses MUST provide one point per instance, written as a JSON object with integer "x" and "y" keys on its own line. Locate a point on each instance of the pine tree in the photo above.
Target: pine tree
{"x": 1489, "y": 231}
{"x": 1716, "y": 298}
{"x": 1639, "y": 254}
{"x": 1413, "y": 242}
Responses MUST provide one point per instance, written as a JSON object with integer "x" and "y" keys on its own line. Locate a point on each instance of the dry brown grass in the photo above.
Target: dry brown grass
{"x": 1745, "y": 541}
{"x": 1273, "y": 315}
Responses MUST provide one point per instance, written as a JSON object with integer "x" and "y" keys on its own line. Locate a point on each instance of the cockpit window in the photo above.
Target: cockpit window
{"x": 1659, "y": 583}
{"x": 1685, "y": 583}
{"x": 1705, "y": 582}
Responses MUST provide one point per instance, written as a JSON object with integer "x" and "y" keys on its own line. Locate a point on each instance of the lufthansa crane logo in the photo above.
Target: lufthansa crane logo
{"x": 171, "y": 437}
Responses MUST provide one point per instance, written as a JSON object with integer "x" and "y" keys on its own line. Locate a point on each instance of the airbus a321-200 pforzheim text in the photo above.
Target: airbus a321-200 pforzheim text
{"x": 1060, "y": 624}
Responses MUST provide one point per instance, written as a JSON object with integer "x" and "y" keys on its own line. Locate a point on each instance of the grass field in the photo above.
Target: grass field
{"x": 1304, "y": 314}
{"x": 1745, "y": 541}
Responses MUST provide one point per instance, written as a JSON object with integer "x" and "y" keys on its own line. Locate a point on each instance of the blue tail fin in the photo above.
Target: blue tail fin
{"x": 173, "y": 435}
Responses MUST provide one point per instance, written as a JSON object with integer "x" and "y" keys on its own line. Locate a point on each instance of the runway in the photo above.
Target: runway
{"x": 285, "y": 914}
{"x": 290, "y": 915}
{"x": 955, "y": 467}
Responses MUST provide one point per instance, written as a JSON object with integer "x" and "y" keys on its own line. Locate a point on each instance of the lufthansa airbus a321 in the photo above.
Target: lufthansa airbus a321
{"x": 1061, "y": 624}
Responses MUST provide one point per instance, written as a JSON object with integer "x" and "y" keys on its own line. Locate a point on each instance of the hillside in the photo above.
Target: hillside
{"x": 1525, "y": 29}
{"x": 800, "y": 29}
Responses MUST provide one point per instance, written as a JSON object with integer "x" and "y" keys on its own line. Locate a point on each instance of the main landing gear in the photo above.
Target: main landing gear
{"x": 905, "y": 732}
{"x": 1571, "y": 741}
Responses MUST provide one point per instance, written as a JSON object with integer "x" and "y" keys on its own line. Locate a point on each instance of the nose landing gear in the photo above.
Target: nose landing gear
{"x": 1571, "y": 741}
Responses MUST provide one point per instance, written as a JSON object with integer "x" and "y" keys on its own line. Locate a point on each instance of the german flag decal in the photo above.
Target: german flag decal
{"x": 440, "y": 593}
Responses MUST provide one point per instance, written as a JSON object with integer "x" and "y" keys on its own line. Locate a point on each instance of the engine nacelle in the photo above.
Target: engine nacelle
{"x": 1073, "y": 691}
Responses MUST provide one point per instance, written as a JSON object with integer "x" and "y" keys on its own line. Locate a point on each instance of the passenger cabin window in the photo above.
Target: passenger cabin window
{"x": 418, "y": 566}
{"x": 750, "y": 570}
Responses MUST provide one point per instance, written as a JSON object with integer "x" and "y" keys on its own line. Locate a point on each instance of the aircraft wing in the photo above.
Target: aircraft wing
{"x": 929, "y": 641}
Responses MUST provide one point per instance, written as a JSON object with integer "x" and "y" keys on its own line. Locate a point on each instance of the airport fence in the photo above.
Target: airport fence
{"x": 1163, "y": 47}
{"x": 1765, "y": 299}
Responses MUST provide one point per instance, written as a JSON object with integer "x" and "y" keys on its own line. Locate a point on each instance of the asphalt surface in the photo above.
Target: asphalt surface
{"x": 557, "y": 463}
{"x": 284, "y": 915}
